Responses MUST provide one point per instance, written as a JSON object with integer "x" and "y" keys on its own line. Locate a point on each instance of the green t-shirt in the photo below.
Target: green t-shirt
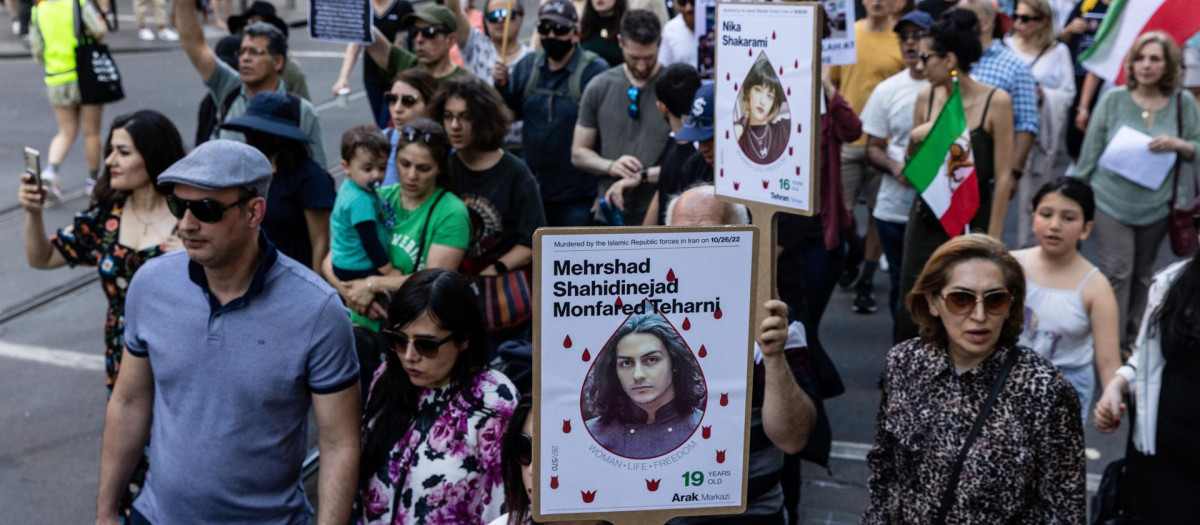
{"x": 400, "y": 59}
{"x": 449, "y": 225}
{"x": 353, "y": 206}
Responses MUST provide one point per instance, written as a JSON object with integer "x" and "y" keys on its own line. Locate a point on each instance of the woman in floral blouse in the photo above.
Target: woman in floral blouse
{"x": 126, "y": 224}
{"x": 435, "y": 414}
{"x": 1026, "y": 463}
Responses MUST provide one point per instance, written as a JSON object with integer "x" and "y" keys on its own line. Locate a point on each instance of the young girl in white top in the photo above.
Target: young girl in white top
{"x": 1070, "y": 311}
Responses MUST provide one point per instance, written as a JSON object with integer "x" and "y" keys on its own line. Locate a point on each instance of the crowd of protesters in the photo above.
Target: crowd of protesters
{"x": 382, "y": 294}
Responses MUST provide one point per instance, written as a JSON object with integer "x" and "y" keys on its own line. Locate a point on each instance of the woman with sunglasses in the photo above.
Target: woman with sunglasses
{"x": 435, "y": 413}
{"x": 599, "y": 27}
{"x": 301, "y": 195}
{"x": 127, "y": 224}
{"x": 973, "y": 428}
{"x": 387, "y": 16}
{"x": 406, "y": 102}
{"x": 1034, "y": 42}
{"x": 1070, "y": 312}
{"x": 949, "y": 48}
{"x": 1163, "y": 377}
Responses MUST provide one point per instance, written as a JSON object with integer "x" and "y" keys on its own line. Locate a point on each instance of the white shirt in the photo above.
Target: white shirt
{"x": 678, "y": 43}
{"x": 889, "y": 114}
{"x": 1053, "y": 71}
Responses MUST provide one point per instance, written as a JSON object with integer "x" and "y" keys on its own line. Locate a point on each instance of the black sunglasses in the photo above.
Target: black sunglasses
{"x": 411, "y": 134}
{"x": 545, "y": 28}
{"x": 633, "y": 93}
{"x": 1025, "y": 19}
{"x": 525, "y": 450}
{"x": 915, "y": 35}
{"x": 499, "y": 15}
{"x": 427, "y": 31}
{"x": 407, "y": 101}
{"x": 924, "y": 56}
{"x": 962, "y": 302}
{"x": 204, "y": 210}
{"x": 427, "y": 348}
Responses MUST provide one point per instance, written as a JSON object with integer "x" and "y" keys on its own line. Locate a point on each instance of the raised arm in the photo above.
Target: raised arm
{"x": 191, "y": 37}
{"x": 787, "y": 412}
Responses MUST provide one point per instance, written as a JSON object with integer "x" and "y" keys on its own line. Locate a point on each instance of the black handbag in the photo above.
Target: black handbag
{"x": 1110, "y": 505}
{"x": 98, "y": 77}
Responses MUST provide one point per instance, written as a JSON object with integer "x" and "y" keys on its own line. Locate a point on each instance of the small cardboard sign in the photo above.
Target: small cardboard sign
{"x": 345, "y": 21}
{"x": 767, "y": 111}
{"x": 642, "y": 363}
{"x": 838, "y": 48}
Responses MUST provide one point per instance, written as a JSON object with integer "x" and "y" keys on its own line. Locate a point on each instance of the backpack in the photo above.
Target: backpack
{"x": 574, "y": 83}
{"x": 208, "y": 120}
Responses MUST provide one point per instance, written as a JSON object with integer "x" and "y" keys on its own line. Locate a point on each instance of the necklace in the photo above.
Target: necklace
{"x": 760, "y": 142}
{"x": 132, "y": 213}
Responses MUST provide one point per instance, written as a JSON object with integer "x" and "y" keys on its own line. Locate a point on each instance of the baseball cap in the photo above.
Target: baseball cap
{"x": 698, "y": 125}
{"x": 560, "y": 11}
{"x": 435, "y": 14}
{"x": 219, "y": 164}
{"x": 918, "y": 18}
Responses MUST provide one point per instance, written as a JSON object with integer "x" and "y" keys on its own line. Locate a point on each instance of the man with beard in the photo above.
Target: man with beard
{"x": 618, "y": 113}
{"x": 434, "y": 30}
{"x": 545, "y": 90}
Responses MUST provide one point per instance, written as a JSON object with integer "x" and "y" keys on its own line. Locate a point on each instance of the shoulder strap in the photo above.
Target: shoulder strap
{"x": 987, "y": 104}
{"x": 1179, "y": 129}
{"x": 1039, "y": 56}
{"x": 952, "y": 484}
{"x": 227, "y": 103}
{"x": 929, "y": 110}
{"x": 425, "y": 230}
{"x": 297, "y": 106}
{"x": 534, "y": 72}
{"x": 575, "y": 82}
{"x": 1086, "y": 278}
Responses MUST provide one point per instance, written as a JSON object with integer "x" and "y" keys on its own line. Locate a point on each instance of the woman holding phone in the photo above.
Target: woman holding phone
{"x": 127, "y": 224}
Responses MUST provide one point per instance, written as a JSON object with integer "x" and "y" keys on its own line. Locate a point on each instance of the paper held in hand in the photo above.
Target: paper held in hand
{"x": 1128, "y": 155}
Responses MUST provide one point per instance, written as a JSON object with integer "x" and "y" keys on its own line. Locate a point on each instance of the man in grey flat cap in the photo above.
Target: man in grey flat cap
{"x": 227, "y": 346}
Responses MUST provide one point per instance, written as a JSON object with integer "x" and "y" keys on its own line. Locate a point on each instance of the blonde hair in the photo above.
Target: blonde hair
{"x": 1172, "y": 60}
{"x": 1041, "y": 8}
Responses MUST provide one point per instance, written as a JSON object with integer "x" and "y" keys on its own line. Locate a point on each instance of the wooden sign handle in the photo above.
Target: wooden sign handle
{"x": 766, "y": 218}
{"x": 504, "y": 37}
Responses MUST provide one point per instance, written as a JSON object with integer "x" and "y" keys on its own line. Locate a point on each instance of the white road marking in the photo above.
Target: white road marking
{"x": 52, "y": 356}
{"x": 858, "y": 452}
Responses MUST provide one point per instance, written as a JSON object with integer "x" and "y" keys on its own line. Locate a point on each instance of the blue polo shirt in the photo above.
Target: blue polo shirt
{"x": 233, "y": 385}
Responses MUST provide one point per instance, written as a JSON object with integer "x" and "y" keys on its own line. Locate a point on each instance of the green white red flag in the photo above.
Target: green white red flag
{"x": 943, "y": 168}
{"x": 1126, "y": 20}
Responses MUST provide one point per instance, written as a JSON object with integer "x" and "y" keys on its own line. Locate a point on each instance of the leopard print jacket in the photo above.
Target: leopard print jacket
{"x": 1026, "y": 466}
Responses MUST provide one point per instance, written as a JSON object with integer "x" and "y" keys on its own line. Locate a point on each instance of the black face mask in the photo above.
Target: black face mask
{"x": 556, "y": 49}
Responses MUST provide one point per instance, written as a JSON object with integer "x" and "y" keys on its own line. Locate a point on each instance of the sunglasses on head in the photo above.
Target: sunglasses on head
{"x": 633, "y": 93}
{"x": 525, "y": 449}
{"x": 545, "y": 28}
{"x": 412, "y": 134}
{"x": 426, "y": 348}
{"x": 500, "y": 14}
{"x": 427, "y": 31}
{"x": 204, "y": 210}
{"x": 914, "y": 35}
{"x": 960, "y": 302}
{"x": 407, "y": 101}
{"x": 1025, "y": 19}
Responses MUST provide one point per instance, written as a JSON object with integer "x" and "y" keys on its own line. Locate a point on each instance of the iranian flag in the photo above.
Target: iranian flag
{"x": 943, "y": 169}
{"x": 1126, "y": 20}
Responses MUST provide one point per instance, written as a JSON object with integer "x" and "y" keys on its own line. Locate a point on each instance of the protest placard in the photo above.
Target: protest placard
{"x": 346, "y": 21}
{"x": 642, "y": 361}
{"x": 837, "y": 48}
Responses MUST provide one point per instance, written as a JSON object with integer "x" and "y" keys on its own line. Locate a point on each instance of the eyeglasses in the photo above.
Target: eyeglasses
{"x": 1025, "y": 19}
{"x": 926, "y": 56}
{"x": 427, "y": 31}
{"x": 253, "y": 51}
{"x": 411, "y": 134}
{"x": 545, "y": 28}
{"x": 449, "y": 117}
{"x": 633, "y": 93}
{"x": 499, "y": 15}
{"x": 914, "y": 35}
{"x": 427, "y": 348}
{"x": 962, "y": 302}
{"x": 407, "y": 101}
{"x": 204, "y": 210}
{"x": 525, "y": 450}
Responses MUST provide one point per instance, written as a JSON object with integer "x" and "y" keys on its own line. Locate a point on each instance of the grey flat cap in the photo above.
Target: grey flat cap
{"x": 219, "y": 164}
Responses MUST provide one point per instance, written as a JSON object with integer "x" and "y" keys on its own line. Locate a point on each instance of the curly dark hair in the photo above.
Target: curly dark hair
{"x": 490, "y": 117}
{"x": 156, "y": 140}
{"x": 936, "y": 275}
{"x": 605, "y": 395}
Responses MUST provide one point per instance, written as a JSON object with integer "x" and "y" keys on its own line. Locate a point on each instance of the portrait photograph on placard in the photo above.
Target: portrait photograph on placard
{"x": 641, "y": 372}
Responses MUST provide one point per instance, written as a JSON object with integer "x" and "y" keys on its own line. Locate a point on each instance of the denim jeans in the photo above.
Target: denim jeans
{"x": 1084, "y": 381}
{"x": 569, "y": 213}
{"x": 891, "y": 236}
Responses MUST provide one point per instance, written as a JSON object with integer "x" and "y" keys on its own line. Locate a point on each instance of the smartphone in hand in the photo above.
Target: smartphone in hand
{"x": 33, "y": 164}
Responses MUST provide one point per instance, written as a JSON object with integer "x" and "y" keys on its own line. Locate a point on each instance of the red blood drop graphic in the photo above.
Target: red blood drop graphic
{"x": 717, "y": 314}
{"x": 720, "y": 456}
{"x": 726, "y": 138}
{"x": 726, "y": 76}
{"x": 749, "y": 53}
{"x": 735, "y": 86}
{"x": 735, "y": 185}
{"x": 553, "y": 482}
{"x": 687, "y": 324}
{"x": 587, "y": 356}
{"x": 723, "y": 169}
{"x": 619, "y": 303}
{"x": 703, "y": 352}
{"x": 799, "y": 128}
{"x": 789, "y": 91}
{"x": 772, "y": 35}
{"x": 671, "y": 275}
{"x": 567, "y": 342}
{"x": 797, "y": 171}
{"x": 724, "y": 399}
{"x": 765, "y": 184}
{"x": 789, "y": 151}
{"x": 566, "y": 426}
{"x": 706, "y": 432}
{"x": 588, "y": 497}
{"x": 780, "y": 70}
{"x": 797, "y": 64}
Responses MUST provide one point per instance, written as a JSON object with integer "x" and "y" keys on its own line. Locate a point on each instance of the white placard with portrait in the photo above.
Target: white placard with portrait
{"x": 628, "y": 324}
{"x": 767, "y": 121}
{"x": 838, "y": 48}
